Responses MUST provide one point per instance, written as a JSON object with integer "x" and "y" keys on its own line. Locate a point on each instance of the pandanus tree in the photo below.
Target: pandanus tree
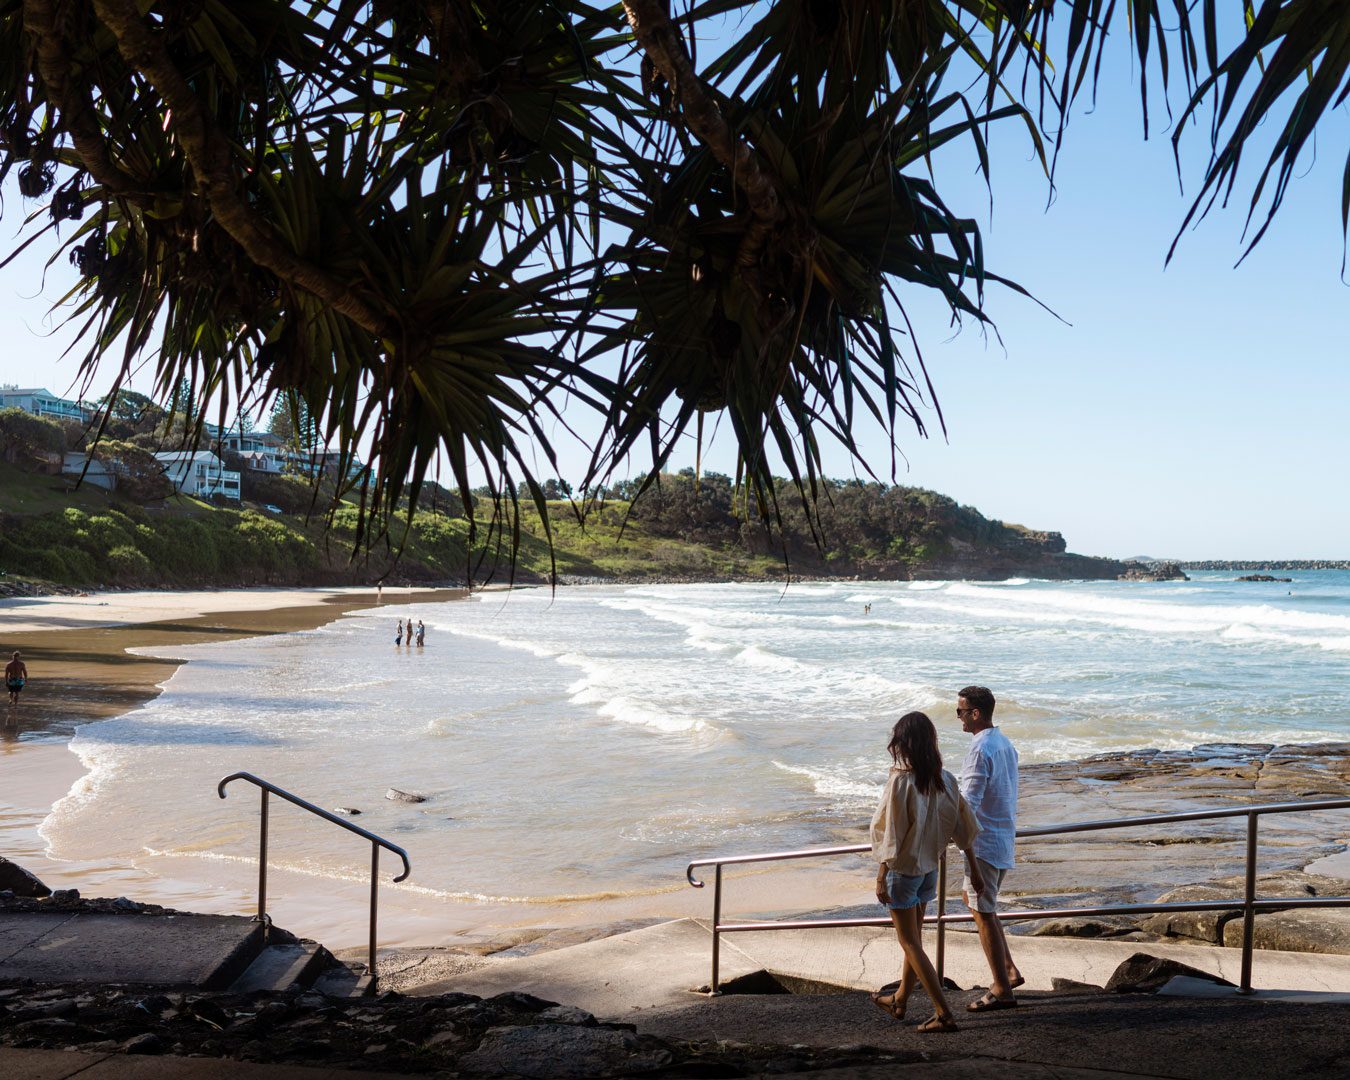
{"x": 437, "y": 228}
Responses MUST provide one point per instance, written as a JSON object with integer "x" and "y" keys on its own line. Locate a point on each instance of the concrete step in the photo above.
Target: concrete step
{"x": 204, "y": 951}
{"x": 281, "y": 967}
{"x": 343, "y": 981}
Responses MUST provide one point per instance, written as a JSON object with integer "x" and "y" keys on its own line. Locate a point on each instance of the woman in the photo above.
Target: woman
{"x": 398, "y": 637}
{"x": 920, "y": 812}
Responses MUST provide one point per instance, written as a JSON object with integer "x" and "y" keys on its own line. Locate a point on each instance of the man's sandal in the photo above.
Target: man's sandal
{"x": 888, "y": 1005}
{"x": 936, "y": 1024}
{"x": 989, "y": 1002}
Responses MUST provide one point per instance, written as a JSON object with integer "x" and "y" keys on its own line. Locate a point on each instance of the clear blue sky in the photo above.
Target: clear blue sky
{"x": 1192, "y": 410}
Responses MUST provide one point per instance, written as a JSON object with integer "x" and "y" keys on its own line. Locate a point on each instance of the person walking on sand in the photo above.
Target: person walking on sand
{"x": 16, "y": 674}
{"x": 989, "y": 784}
{"x": 398, "y": 636}
{"x": 921, "y": 811}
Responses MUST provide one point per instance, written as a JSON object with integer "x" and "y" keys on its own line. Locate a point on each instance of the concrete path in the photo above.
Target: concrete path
{"x": 1294, "y": 1027}
{"x": 658, "y": 967}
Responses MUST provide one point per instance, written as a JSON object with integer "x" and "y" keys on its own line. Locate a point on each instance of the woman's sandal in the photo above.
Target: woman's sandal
{"x": 888, "y": 1005}
{"x": 936, "y": 1023}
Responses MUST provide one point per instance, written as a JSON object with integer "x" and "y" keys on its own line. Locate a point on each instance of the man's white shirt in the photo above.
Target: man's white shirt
{"x": 989, "y": 784}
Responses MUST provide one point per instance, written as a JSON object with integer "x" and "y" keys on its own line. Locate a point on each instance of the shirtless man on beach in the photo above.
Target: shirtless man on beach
{"x": 16, "y": 674}
{"x": 989, "y": 784}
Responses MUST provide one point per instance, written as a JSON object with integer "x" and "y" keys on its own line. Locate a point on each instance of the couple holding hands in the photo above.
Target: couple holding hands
{"x": 922, "y": 809}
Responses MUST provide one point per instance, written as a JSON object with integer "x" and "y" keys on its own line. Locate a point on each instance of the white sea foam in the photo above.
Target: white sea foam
{"x": 832, "y": 785}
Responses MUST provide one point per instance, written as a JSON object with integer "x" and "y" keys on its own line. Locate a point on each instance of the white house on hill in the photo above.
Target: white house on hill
{"x": 42, "y": 403}
{"x": 199, "y": 473}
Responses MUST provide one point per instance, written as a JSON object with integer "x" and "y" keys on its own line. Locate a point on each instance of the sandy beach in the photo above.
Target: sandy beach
{"x": 80, "y": 671}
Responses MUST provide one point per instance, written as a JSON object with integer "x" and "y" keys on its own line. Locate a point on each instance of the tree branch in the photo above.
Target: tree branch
{"x": 77, "y": 114}
{"x": 660, "y": 40}
{"x": 212, "y": 161}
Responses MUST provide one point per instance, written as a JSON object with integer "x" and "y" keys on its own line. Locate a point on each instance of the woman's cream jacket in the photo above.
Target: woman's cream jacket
{"x": 910, "y": 831}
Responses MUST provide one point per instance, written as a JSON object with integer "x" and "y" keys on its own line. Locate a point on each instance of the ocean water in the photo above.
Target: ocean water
{"x": 581, "y": 746}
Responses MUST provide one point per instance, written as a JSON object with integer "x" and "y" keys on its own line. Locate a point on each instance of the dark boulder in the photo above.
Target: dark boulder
{"x": 394, "y": 795}
{"x": 1145, "y": 974}
{"x": 19, "y": 881}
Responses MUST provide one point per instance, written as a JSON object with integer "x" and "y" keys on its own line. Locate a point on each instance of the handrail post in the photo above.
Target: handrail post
{"x": 262, "y": 863}
{"x": 1248, "y": 908}
{"x": 941, "y": 911}
{"x": 374, "y": 899}
{"x": 713, "y": 991}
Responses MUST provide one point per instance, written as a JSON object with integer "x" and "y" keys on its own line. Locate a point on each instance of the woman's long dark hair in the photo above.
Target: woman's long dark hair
{"x": 914, "y": 744}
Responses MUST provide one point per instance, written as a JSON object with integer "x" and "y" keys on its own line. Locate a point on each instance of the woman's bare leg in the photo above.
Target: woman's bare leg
{"x": 909, "y": 929}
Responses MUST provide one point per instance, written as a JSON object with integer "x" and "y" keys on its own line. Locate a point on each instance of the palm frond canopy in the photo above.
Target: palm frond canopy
{"x": 427, "y": 223}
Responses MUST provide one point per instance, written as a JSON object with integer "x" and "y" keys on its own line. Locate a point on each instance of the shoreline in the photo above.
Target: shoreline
{"x": 81, "y": 673}
{"x": 98, "y": 680}
{"x": 76, "y": 647}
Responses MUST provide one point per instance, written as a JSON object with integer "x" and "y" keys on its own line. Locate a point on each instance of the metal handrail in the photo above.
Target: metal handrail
{"x": 376, "y": 842}
{"x": 1250, "y": 903}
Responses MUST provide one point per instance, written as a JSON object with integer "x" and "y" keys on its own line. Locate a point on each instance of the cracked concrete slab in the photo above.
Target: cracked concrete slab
{"x": 19, "y": 931}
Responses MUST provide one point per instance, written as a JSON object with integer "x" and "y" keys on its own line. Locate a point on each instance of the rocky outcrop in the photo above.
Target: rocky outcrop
{"x": 1262, "y": 577}
{"x": 1154, "y": 571}
{"x": 395, "y": 795}
{"x": 15, "y": 879}
{"x": 1321, "y": 930}
{"x": 1285, "y": 564}
{"x": 1194, "y": 860}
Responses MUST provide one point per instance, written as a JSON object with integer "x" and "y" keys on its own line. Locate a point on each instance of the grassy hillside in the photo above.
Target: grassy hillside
{"x": 687, "y": 529}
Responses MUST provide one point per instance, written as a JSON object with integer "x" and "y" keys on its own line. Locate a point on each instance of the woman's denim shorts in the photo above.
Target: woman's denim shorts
{"x": 905, "y": 890}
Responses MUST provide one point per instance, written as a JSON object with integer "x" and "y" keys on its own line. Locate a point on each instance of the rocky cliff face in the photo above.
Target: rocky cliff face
{"x": 1039, "y": 555}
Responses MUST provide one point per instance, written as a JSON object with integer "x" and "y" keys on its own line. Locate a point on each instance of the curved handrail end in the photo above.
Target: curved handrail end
{"x": 407, "y": 866}
{"x": 689, "y": 876}
{"x": 220, "y": 788}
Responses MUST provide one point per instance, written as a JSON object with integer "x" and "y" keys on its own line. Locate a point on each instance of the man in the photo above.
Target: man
{"x": 16, "y": 674}
{"x": 989, "y": 784}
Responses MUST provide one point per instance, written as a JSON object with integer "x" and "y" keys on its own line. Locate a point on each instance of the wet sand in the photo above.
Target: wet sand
{"x": 75, "y": 648}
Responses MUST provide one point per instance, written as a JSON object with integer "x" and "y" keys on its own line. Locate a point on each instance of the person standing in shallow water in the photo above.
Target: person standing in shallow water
{"x": 16, "y": 674}
{"x": 421, "y": 633}
{"x": 398, "y": 636}
{"x": 989, "y": 783}
{"x": 921, "y": 811}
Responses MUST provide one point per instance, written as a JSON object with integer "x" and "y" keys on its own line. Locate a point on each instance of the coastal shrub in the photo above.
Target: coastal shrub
{"x": 289, "y": 494}
{"x": 191, "y": 549}
{"x": 128, "y": 564}
{"x": 44, "y": 563}
{"x": 80, "y": 566}
{"x": 41, "y": 532}
{"x": 106, "y": 533}
{"x": 151, "y": 544}
{"x": 26, "y": 439}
